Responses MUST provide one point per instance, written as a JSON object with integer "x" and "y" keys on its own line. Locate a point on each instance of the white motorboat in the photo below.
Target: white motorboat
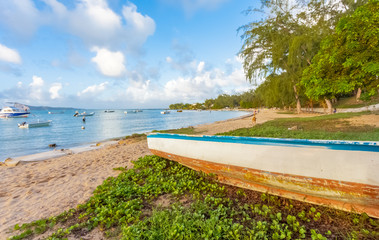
{"x": 83, "y": 114}
{"x": 35, "y": 124}
{"x": 17, "y": 110}
{"x": 165, "y": 112}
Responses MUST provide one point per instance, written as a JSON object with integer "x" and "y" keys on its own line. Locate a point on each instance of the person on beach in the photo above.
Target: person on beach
{"x": 254, "y": 119}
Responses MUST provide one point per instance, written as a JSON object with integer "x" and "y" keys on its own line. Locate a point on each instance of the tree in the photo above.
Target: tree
{"x": 348, "y": 59}
{"x": 288, "y": 38}
{"x": 359, "y": 34}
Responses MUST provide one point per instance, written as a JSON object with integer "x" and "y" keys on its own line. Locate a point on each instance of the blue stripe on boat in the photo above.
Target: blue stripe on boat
{"x": 285, "y": 142}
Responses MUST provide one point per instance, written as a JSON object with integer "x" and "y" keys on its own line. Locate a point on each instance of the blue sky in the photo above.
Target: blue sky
{"x": 120, "y": 54}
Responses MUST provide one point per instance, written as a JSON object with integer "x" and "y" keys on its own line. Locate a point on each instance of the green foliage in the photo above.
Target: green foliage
{"x": 136, "y": 135}
{"x": 187, "y": 106}
{"x": 349, "y": 58}
{"x": 187, "y": 130}
{"x": 199, "y": 208}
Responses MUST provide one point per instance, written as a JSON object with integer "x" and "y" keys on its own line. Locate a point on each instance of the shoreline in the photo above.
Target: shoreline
{"x": 39, "y": 189}
{"x": 83, "y": 147}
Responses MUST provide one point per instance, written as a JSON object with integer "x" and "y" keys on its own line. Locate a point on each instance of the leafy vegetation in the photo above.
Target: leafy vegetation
{"x": 187, "y": 130}
{"x": 196, "y": 207}
{"x": 322, "y": 127}
{"x": 348, "y": 59}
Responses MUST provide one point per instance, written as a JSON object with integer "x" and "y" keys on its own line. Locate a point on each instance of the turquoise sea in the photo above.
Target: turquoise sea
{"x": 66, "y": 130}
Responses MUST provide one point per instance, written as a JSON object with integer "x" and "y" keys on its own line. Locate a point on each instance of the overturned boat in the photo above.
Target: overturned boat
{"x": 339, "y": 174}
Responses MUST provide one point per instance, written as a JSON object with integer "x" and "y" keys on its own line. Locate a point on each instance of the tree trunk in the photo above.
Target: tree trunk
{"x": 329, "y": 104}
{"x": 358, "y": 96}
{"x": 298, "y": 105}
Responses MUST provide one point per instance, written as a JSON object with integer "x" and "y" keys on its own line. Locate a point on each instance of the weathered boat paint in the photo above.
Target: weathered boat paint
{"x": 339, "y": 174}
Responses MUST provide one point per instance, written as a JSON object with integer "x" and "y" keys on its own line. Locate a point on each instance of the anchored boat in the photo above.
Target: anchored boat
{"x": 34, "y": 124}
{"x": 83, "y": 114}
{"x": 339, "y": 174}
{"x": 16, "y": 110}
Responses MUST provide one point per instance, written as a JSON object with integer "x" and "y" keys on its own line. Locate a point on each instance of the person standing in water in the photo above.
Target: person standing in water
{"x": 84, "y": 119}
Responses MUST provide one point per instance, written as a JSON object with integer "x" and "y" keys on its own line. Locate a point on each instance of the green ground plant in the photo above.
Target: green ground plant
{"x": 187, "y": 130}
{"x": 197, "y": 207}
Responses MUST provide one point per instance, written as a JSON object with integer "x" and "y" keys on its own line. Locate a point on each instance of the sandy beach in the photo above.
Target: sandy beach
{"x": 39, "y": 189}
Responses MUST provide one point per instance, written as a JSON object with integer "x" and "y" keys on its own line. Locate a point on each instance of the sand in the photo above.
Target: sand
{"x": 39, "y": 189}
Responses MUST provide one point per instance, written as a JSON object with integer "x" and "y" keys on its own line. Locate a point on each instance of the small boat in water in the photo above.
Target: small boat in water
{"x": 179, "y": 110}
{"x": 83, "y": 114}
{"x": 17, "y": 110}
{"x": 109, "y": 111}
{"x": 130, "y": 111}
{"x": 34, "y": 124}
{"x": 165, "y": 112}
{"x": 338, "y": 174}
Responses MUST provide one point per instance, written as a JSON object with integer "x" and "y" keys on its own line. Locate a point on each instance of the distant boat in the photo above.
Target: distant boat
{"x": 109, "y": 111}
{"x": 339, "y": 174}
{"x": 17, "y": 110}
{"x": 180, "y": 110}
{"x": 34, "y": 124}
{"x": 83, "y": 114}
{"x": 131, "y": 111}
{"x": 165, "y": 112}
{"x": 61, "y": 112}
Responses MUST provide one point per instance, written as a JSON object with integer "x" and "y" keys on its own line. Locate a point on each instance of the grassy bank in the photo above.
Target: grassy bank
{"x": 334, "y": 126}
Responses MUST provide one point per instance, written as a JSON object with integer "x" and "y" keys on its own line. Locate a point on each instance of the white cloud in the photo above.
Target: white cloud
{"x": 111, "y": 64}
{"x": 36, "y": 88}
{"x": 54, "y": 90}
{"x": 200, "y": 67}
{"x": 20, "y": 16}
{"x": 141, "y": 91}
{"x": 37, "y": 82}
{"x": 93, "y": 90}
{"x": 203, "y": 85}
{"x": 138, "y": 27}
{"x": 91, "y": 20}
{"x": 9, "y": 55}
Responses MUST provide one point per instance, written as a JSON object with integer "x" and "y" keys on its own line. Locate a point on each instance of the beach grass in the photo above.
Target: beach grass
{"x": 187, "y": 130}
{"x": 333, "y": 127}
{"x": 161, "y": 199}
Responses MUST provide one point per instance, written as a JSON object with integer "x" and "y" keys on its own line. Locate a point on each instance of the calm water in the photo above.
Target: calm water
{"x": 66, "y": 130}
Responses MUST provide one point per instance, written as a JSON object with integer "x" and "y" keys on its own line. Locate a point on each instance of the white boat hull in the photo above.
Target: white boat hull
{"x": 35, "y": 124}
{"x": 336, "y": 173}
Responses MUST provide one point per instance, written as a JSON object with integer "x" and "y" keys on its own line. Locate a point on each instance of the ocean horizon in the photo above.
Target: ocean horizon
{"x": 66, "y": 131}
